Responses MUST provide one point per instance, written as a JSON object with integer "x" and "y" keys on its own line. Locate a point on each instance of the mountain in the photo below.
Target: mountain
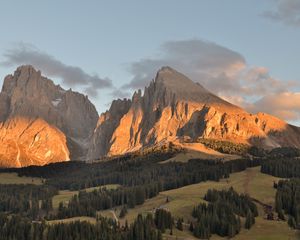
{"x": 174, "y": 107}
{"x": 41, "y": 122}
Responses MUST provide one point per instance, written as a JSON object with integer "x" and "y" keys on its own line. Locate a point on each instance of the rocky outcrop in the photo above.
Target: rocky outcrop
{"x": 106, "y": 126}
{"x": 41, "y": 122}
{"x": 173, "y": 107}
{"x": 26, "y": 141}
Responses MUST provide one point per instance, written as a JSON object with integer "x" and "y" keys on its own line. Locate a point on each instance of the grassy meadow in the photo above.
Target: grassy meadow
{"x": 13, "y": 178}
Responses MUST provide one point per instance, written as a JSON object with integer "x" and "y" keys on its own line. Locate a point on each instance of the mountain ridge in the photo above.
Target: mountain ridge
{"x": 41, "y": 123}
{"x": 173, "y": 107}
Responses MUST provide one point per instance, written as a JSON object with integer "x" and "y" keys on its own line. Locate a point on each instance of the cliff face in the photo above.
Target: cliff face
{"x": 41, "y": 122}
{"x": 172, "y": 107}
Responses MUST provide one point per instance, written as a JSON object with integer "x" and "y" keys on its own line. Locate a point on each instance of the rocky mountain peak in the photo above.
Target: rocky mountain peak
{"x": 172, "y": 86}
{"x": 174, "y": 80}
{"x": 172, "y": 107}
{"x": 40, "y": 122}
{"x": 27, "y": 97}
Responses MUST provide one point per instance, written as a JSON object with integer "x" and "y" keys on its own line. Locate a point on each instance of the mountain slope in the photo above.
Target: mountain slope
{"x": 173, "y": 107}
{"x": 41, "y": 122}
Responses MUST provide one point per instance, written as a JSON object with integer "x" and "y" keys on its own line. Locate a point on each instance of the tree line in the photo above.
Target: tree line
{"x": 287, "y": 201}
{"x": 221, "y": 215}
{"x": 27, "y": 200}
{"x": 128, "y": 171}
{"x": 88, "y": 203}
{"x": 282, "y": 167}
{"x": 17, "y": 227}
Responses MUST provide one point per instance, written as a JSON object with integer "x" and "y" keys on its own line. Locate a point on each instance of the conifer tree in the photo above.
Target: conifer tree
{"x": 249, "y": 220}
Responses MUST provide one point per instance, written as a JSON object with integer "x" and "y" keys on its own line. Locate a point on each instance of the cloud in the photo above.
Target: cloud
{"x": 70, "y": 75}
{"x": 119, "y": 93}
{"x": 221, "y": 70}
{"x": 199, "y": 59}
{"x": 285, "y": 105}
{"x": 286, "y": 11}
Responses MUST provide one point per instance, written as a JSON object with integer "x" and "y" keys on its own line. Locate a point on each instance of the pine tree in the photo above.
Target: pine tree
{"x": 34, "y": 208}
{"x": 159, "y": 235}
{"x": 249, "y": 220}
{"x": 281, "y": 215}
{"x": 191, "y": 228}
{"x": 292, "y": 222}
{"x": 123, "y": 212}
{"x": 179, "y": 224}
{"x": 197, "y": 230}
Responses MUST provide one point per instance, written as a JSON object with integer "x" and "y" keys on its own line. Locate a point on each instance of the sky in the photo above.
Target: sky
{"x": 244, "y": 51}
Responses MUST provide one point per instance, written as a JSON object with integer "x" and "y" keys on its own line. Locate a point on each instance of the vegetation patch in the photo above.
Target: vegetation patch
{"x": 13, "y": 178}
{"x": 288, "y": 201}
{"x": 225, "y": 146}
{"x": 222, "y": 214}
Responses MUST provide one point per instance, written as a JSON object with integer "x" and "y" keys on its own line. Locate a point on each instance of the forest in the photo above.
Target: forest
{"x": 139, "y": 179}
{"x": 15, "y": 227}
{"x": 24, "y": 199}
{"x": 287, "y": 201}
{"x": 221, "y": 215}
{"x": 282, "y": 167}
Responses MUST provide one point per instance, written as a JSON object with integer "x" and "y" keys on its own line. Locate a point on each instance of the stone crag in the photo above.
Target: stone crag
{"x": 41, "y": 120}
{"x": 173, "y": 107}
{"x": 41, "y": 123}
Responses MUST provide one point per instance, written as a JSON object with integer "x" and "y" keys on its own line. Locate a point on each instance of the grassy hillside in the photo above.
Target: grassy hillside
{"x": 182, "y": 201}
{"x": 198, "y": 151}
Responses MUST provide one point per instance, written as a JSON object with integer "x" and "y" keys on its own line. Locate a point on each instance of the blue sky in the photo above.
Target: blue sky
{"x": 253, "y": 44}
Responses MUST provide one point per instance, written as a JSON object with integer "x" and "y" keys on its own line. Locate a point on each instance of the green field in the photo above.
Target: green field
{"x": 13, "y": 178}
{"x": 182, "y": 201}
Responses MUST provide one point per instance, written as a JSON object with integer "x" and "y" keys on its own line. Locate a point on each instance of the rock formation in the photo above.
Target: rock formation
{"x": 173, "y": 107}
{"x": 41, "y": 122}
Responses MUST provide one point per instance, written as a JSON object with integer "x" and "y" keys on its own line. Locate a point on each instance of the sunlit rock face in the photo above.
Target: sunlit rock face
{"x": 41, "y": 122}
{"x": 173, "y": 107}
{"x": 27, "y": 142}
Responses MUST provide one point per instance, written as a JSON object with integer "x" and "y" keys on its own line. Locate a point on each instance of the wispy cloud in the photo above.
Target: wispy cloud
{"x": 285, "y": 105}
{"x": 201, "y": 60}
{"x": 218, "y": 68}
{"x": 120, "y": 93}
{"x": 285, "y": 11}
{"x": 221, "y": 70}
{"x": 70, "y": 75}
